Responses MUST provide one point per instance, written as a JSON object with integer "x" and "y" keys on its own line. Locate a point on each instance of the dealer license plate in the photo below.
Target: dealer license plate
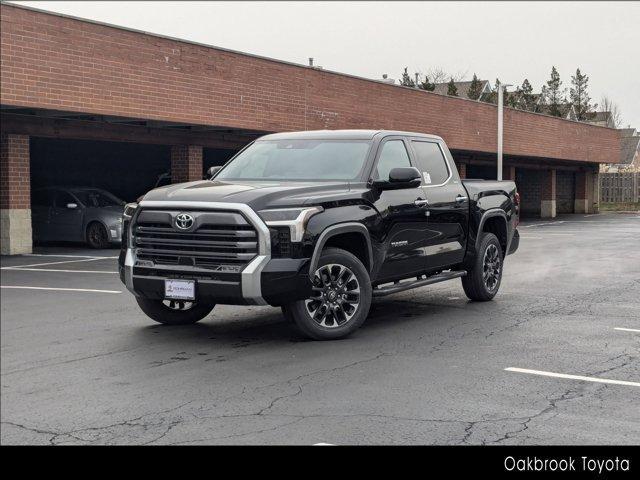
{"x": 180, "y": 289}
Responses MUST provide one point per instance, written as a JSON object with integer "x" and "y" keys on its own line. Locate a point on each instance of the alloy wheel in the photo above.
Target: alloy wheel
{"x": 492, "y": 266}
{"x": 336, "y": 296}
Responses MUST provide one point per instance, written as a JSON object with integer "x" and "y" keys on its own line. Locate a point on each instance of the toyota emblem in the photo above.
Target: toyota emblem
{"x": 184, "y": 221}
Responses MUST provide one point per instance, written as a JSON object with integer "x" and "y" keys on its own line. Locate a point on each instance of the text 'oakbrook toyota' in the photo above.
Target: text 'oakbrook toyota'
{"x": 318, "y": 223}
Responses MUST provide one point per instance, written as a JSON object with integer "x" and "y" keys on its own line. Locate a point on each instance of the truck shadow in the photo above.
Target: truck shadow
{"x": 245, "y": 329}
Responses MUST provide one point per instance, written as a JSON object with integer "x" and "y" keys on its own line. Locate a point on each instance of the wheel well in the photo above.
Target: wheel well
{"x": 352, "y": 242}
{"x": 498, "y": 226}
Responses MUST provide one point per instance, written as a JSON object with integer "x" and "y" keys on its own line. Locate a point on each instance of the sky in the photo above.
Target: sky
{"x": 506, "y": 40}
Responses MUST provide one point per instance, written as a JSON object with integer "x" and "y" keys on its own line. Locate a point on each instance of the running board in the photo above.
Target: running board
{"x": 402, "y": 286}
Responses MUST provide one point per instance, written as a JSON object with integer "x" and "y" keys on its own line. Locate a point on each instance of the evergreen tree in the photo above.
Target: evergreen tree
{"x": 452, "y": 90}
{"x": 527, "y": 99}
{"x": 406, "y": 80}
{"x": 554, "y": 94}
{"x": 579, "y": 97}
{"x": 426, "y": 85}
{"x": 475, "y": 89}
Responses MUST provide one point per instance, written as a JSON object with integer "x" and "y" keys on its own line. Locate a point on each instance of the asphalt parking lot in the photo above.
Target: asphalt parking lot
{"x": 554, "y": 359}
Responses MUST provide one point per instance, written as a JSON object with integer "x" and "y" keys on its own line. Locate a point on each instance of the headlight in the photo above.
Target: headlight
{"x": 294, "y": 218}
{"x": 129, "y": 210}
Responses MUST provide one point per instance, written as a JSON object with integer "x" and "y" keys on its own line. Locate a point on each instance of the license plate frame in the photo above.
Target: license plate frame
{"x": 179, "y": 289}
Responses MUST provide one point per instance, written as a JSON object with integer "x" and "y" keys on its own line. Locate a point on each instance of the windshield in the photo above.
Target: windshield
{"x": 97, "y": 198}
{"x": 304, "y": 160}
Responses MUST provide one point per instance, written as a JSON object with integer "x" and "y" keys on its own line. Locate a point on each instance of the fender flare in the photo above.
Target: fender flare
{"x": 495, "y": 212}
{"x": 332, "y": 231}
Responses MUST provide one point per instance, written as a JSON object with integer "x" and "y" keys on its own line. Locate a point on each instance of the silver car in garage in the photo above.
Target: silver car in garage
{"x": 77, "y": 214}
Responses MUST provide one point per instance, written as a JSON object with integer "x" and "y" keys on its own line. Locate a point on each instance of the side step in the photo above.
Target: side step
{"x": 402, "y": 286}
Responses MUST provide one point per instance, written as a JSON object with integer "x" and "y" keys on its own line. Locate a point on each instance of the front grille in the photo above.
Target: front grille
{"x": 219, "y": 240}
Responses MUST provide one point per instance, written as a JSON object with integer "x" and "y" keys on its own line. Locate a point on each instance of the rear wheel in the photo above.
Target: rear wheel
{"x": 174, "y": 312}
{"x": 483, "y": 281}
{"x": 97, "y": 236}
{"x": 340, "y": 300}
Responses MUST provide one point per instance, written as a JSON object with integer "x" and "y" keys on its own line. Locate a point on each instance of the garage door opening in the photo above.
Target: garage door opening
{"x": 127, "y": 170}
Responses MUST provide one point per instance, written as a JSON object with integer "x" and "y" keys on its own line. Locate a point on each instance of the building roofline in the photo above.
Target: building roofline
{"x": 6, "y": 3}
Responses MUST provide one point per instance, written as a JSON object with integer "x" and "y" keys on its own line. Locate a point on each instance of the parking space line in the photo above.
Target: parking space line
{"x": 61, "y": 289}
{"x": 56, "y": 270}
{"x": 635, "y": 330}
{"x": 572, "y": 377}
{"x": 92, "y": 259}
{"x": 59, "y": 256}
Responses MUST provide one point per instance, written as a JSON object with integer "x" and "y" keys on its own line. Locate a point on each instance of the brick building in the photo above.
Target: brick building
{"x": 94, "y": 104}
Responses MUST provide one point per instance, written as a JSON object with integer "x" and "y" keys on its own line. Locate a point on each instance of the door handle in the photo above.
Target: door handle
{"x": 420, "y": 203}
{"x": 461, "y": 198}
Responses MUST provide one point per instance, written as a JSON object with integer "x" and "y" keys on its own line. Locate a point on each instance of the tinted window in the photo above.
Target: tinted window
{"x": 62, "y": 198}
{"x": 394, "y": 154}
{"x": 97, "y": 198}
{"x": 432, "y": 163}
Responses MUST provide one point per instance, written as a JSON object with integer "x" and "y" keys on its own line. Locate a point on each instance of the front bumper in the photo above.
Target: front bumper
{"x": 263, "y": 281}
{"x": 280, "y": 281}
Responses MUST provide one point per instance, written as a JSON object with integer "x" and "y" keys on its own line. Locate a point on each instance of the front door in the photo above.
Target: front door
{"x": 448, "y": 204}
{"x": 403, "y": 216}
{"x": 66, "y": 223}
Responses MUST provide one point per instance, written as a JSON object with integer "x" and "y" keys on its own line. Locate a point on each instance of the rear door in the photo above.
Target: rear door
{"x": 448, "y": 204}
{"x": 404, "y": 224}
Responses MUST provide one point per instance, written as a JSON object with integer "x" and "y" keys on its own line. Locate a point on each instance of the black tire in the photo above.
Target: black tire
{"x": 97, "y": 236}
{"x": 482, "y": 282}
{"x": 348, "y": 301}
{"x": 161, "y": 312}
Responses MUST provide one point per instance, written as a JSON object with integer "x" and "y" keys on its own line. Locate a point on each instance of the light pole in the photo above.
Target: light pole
{"x": 500, "y": 123}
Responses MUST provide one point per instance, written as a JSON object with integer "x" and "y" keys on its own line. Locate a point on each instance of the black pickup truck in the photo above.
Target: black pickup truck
{"x": 318, "y": 223}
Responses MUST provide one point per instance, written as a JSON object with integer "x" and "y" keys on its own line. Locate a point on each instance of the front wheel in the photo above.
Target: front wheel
{"x": 97, "y": 236}
{"x": 483, "y": 281}
{"x": 340, "y": 300}
{"x": 174, "y": 312}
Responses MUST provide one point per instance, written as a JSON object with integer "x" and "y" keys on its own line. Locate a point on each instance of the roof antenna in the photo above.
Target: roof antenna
{"x": 311, "y": 61}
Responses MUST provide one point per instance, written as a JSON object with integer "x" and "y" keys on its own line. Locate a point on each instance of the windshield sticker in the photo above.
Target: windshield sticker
{"x": 427, "y": 178}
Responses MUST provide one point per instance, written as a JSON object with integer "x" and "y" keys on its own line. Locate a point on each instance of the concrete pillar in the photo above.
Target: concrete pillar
{"x": 186, "y": 163}
{"x": 508, "y": 172}
{"x": 581, "y": 202}
{"x": 15, "y": 195}
{"x": 548, "y": 203}
{"x": 462, "y": 170}
{"x": 593, "y": 193}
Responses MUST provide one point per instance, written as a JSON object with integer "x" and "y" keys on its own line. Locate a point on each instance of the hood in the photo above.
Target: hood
{"x": 257, "y": 194}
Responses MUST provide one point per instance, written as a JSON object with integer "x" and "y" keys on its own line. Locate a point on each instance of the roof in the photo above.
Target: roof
{"x": 628, "y": 132}
{"x": 463, "y": 87}
{"x": 341, "y": 135}
{"x": 600, "y": 116}
{"x": 629, "y": 148}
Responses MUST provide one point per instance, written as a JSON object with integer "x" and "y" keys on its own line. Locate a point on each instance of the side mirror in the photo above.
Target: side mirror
{"x": 400, "y": 177}
{"x": 72, "y": 205}
{"x": 212, "y": 171}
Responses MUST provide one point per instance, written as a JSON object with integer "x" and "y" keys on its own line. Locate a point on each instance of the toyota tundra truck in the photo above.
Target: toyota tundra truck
{"x": 318, "y": 223}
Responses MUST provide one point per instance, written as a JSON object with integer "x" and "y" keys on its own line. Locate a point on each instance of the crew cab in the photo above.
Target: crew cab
{"x": 318, "y": 223}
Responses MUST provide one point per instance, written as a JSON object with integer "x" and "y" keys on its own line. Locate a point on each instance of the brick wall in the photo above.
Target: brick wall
{"x": 186, "y": 163}
{"x": 15, "y": 190}
{"x": 548, "y": 184}
{"x": 54, "y": 62}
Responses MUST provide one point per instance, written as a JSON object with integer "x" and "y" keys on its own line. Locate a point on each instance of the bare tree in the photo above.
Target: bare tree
{"x": 608, "y": 105}
{"x": 440, "y": 75}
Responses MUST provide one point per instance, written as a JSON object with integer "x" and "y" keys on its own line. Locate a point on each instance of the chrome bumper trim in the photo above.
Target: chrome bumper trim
{"x": 251, "y": 274}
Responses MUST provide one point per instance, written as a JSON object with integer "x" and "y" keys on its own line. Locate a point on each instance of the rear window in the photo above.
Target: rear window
{"x": 431, "y": 162}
